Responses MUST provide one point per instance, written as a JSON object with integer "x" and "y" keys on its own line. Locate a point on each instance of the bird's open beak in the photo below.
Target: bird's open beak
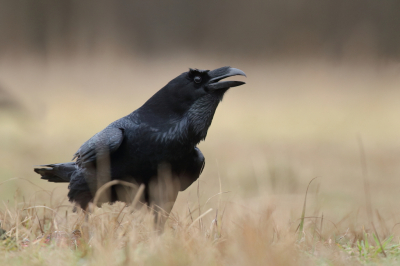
{"x": 221, "y": 73}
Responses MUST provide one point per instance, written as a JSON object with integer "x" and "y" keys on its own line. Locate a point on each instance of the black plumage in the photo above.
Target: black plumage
{"x": 155, "y": 145}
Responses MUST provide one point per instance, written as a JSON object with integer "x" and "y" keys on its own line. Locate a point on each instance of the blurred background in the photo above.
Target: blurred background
{"x": 322, "y": 74}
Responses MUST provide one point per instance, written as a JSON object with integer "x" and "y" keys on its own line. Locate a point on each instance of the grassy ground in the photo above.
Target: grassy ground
{"x": 292, "y": 122}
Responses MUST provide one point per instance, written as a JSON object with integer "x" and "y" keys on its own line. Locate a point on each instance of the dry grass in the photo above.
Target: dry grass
{"x": 291, "y": 123}
{"x": 234, "y": 234}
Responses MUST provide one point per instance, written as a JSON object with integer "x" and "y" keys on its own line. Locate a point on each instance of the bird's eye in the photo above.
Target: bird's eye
{"x": 197, "y": 79}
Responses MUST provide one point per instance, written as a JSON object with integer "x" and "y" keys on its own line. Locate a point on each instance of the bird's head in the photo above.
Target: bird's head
{"x": 203, "y": 82}
{"x": 181, "y": 93}
{"x": 188, "y": 102}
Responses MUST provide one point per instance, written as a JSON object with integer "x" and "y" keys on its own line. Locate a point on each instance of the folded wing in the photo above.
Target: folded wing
{"x": 102, "y": 144}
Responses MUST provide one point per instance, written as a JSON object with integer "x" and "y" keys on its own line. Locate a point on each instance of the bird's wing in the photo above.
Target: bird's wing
{"x": 103, "y": 144}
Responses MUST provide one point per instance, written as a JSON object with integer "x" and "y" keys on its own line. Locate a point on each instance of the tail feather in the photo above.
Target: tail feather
{"x": 58, "y": 173}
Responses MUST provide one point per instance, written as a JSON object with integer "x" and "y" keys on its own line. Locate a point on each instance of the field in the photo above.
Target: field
{"x": 293, "y": 122}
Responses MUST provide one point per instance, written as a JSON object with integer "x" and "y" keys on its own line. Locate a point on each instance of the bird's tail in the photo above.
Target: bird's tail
{"x": 61, "y": 172}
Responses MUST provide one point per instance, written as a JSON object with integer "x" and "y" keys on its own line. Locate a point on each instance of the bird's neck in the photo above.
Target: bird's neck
{"x": 200, "y": 116}
{"x": 165, "y": 106}
{"x": 188, "y": 127}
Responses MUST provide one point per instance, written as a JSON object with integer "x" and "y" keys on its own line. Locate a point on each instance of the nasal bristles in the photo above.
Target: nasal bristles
{"x": 198, "y": 71}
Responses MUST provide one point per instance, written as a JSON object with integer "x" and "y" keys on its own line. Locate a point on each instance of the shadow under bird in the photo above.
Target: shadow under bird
{"x": 155, "y": 145}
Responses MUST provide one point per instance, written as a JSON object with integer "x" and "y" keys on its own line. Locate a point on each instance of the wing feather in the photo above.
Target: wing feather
{"x": 103, "y": 143}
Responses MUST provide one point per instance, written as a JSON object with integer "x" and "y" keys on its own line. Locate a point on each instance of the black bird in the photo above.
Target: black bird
{"x": 154, "y": 145}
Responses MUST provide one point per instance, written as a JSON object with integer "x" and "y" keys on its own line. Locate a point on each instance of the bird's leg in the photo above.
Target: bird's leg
{"x": 162, "y": 193}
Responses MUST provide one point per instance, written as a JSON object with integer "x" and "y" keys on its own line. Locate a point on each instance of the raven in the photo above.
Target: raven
{"x": 155, "y": 145}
